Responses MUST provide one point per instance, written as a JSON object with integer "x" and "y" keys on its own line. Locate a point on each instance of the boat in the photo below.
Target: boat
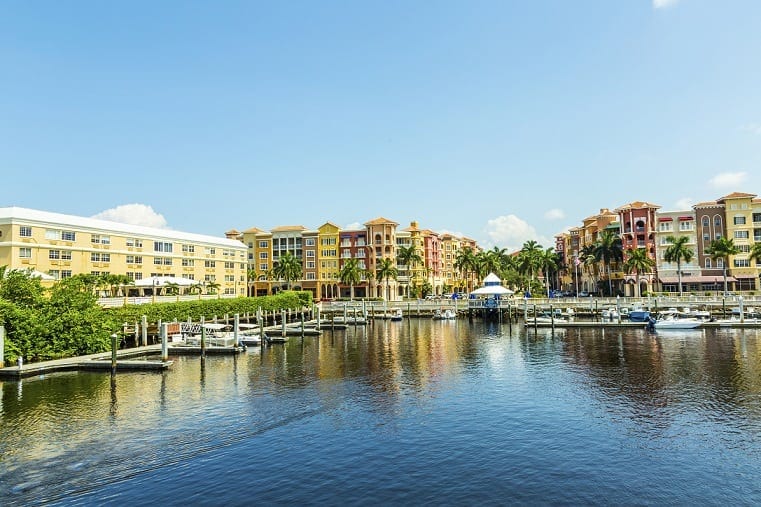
{"x": 548, "y": 318}
{"x": 694, "y": 313}
{"x": 639, "y": 315}
{"x": 216, "y": 335}
{"x": 609, "y": 314}
{"x": 447, "y": 314}
{"x": 397, "y": 315}
{"x": 275, "y": 339}
{"x": 673, "y": 321}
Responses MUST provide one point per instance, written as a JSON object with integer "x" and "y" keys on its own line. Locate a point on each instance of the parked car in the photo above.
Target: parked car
{"x": 584, "y": 294}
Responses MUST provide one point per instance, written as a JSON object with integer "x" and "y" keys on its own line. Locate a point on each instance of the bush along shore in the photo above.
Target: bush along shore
{"x": 66, "y": 320}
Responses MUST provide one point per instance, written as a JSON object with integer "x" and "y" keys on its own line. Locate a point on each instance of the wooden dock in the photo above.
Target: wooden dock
{"x": 93, "y": 362}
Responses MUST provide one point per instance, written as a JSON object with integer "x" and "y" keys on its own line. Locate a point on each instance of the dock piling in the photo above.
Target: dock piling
{"x": 164, "y": 344}
{"x": 113, "y": 354}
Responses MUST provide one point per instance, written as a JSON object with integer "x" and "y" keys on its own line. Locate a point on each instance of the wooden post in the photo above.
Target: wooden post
{"x": 144, "y": 330}
{"x": 552, "y": 318}
{"x": 158, "y": 326}
{"x": 203, "y": 337}
{"x": 282, "y": 318}
{"x": 535, "y": 326}
{"x": 302, "y": 324}
{"x": 236, "y": 326}
{"x": 345, "y": 314}
{"x": 137, "y": 334}
{"x": 164, "y": 344}
{"x": 113, "y": 353}
{"x": 317, "y": 313}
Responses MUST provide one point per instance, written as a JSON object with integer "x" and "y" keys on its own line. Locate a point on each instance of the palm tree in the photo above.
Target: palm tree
{"x": 288, "y": 268}
{"x": 722, "y": 248}
{"x": 408, "y": 256}
{"x": 465, "y": 263}
{"x": 212, "y": 287}
{"x": 755, "y": 253}
{"x": 678, "y": 252}
{"x": 172, "y": 288}
{"x": 608, "y": 249}
{"x": 250, "y": 279}
{"x": 589, "y": 261}
{"x": 386, "y": 270}
{"x": 549, "y": 262}
{"x": 350, "y": 274}
{"x": 638, "y": 261}
{"x": 529, "y": 257}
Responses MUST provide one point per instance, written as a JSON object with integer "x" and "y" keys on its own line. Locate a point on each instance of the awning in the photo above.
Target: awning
{"x": 696, "y": 279}
{"x": 745, "y": 277}
{"x": 665, "y": 219}
{"x": 686, "y": 218}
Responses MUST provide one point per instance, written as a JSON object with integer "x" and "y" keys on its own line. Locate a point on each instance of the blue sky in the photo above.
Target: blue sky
{"x": 500, "y": 120}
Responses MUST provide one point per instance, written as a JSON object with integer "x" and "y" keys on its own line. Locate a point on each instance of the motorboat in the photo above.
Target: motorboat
{"x": 639, "y": 315}
{"x": 397, "y": 315}
{"x": 672, "y": 321}
{"x": 609, "y": 314}
{"x": 694, "y": 313}
{"x": 447, "y": 314}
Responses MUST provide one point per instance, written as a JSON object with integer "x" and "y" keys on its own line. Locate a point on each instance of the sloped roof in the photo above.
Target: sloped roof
{"x": 736, "y": 195}
{"x": 707, "y": 204}
{"x": 253, "y": 230}
{"x": 289, "y": 228}
{"x": 637, "y": 205}
{"x": 381, "y": 221}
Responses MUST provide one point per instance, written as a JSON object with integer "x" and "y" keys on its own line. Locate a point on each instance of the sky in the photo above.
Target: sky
{"x": 503, "y": 121}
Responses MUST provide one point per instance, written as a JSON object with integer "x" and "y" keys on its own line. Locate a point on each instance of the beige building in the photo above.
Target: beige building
{"x": 65, "y": 245}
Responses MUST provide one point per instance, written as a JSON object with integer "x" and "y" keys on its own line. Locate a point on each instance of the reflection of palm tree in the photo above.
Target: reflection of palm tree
{"x": 677, "y": 252}
{"x": 386, "y": 270}
{"x": 722, "y": 248}
{"x": 350, "y": 274}
{"x": 639, "y": 262}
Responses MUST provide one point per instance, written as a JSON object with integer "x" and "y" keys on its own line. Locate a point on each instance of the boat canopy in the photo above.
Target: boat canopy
{"x": 492, "y": 287}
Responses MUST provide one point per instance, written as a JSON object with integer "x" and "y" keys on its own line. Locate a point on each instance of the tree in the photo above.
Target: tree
{"x": 350, "y": 274}
{"x": 288, "y": 268}
{"x": 386, "y": 270}
{"x": 250, "y": 278}
{"x": 608, "y": 249}
{"x": 549, "y": 261}
{"x": 722, "y": 248}
{"x": 20, "y": 288}
{"x": 638, "y": 261}
{"x": 677, "y": 252}
{"x": 465, "y": 262}
{"x": 529, "y": 258}
{"x": 755, "y": 253}
{"x": 212, "y": 286}
{"x": 408, "y": 256}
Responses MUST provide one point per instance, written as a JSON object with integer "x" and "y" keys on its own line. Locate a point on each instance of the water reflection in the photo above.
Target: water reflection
{"x": 651, "y": 391}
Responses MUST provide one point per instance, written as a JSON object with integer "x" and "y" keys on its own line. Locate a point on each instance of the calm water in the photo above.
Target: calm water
{"x": 428, "y": 412}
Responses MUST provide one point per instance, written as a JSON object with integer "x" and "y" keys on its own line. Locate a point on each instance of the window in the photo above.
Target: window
{"x": 741, "y": 263}
{"x": 54, "y": 254}
{"x": 65, "y": 273}
{"x": 310, "y": 264}
{"x": 100, "y": 257}
{"x": 135, "y": 242}
{"x": 167, "y": 261}
{"x": 229, "y": 265}
{"x": 706, "y": 222}
{"x": 708, "y": 263}
{"x": 188, "y": 262}
{"x": 742, "y": 234}
{"x": 65, "y": 255}
{"x": 717, "y": 221}
{"x": 55, "y": 274}
{"x": 739, "y": 220}
{"x": 134, "y": 259}
{"x": 263, "y": 255}
{"x": 189, "y": 248}
{"x": 157, "y": 261}
{"x": 25, "y": 232}
{"x": 743, "y": 248}
{"x": 68, "y": 236}
{"x": 100, "y": 239}
{"x": 309, "y": 242}
{"x": 263, "y": 244}
{"x": 310, "y": 254}
{"x": 210, "y": 264}
{"x": 311, "y": 276}
{"x": 162, "y": 246}
{"x": 210, "y": 251}
{"x": 263, "y": 267}
{"x": 664, "y": 227}
{"x": 25, "y": 253}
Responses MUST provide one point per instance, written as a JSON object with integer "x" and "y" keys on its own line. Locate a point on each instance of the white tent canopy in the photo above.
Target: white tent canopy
{"x": 33, "y": 273}
{"x": 492, "y": 287}
{"x": 162, "y": 281}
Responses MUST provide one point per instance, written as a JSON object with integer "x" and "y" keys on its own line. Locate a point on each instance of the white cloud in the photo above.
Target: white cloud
{"x": 453, "y": 233}
{"x": 353, "y": 226}
{"x": 134, "y": 214}
{"x": 554, "y": 214}
{"x": 662, "y": 4}
{"x": 728, "y": 180}
{"x": 753, "y": 128}
{"x": 684, "y": 203}
{"x": 511, "y": 232}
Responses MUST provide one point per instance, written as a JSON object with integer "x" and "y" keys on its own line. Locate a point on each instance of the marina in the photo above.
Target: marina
{"x": 353, "y": 410}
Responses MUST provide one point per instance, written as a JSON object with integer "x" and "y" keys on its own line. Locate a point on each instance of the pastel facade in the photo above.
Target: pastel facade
{"x": 66, "y": 245}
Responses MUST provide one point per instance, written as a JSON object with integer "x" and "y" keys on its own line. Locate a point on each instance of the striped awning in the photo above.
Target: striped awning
{"x": 696, "y": 279}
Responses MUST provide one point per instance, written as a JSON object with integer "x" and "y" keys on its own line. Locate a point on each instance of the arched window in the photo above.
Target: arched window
{"x": 706, "y": 222}
{"x": 717, "y": 221}
{"x": 708, "y": 263}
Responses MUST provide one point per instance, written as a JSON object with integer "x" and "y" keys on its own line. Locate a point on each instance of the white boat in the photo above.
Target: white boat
{"x": 609, "y": 314}
{"x": 397, "y": 315}
{"x": 671, "y": 321}
{"x": 216, "y": 335}
{"x": 447, "y": 314}
{"x": 688, "y": 312}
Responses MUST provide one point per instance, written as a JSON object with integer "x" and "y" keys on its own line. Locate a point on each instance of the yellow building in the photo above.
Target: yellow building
{"x": 327, "y": 261}
{"x": 65, "y": 245}
{"x": 738, "y": 207}
{"x": 381, "y": 235}
{"x": 259, "y": 245}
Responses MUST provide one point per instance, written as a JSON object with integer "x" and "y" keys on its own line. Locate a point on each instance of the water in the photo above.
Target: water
{"x": 413, "y": 412}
